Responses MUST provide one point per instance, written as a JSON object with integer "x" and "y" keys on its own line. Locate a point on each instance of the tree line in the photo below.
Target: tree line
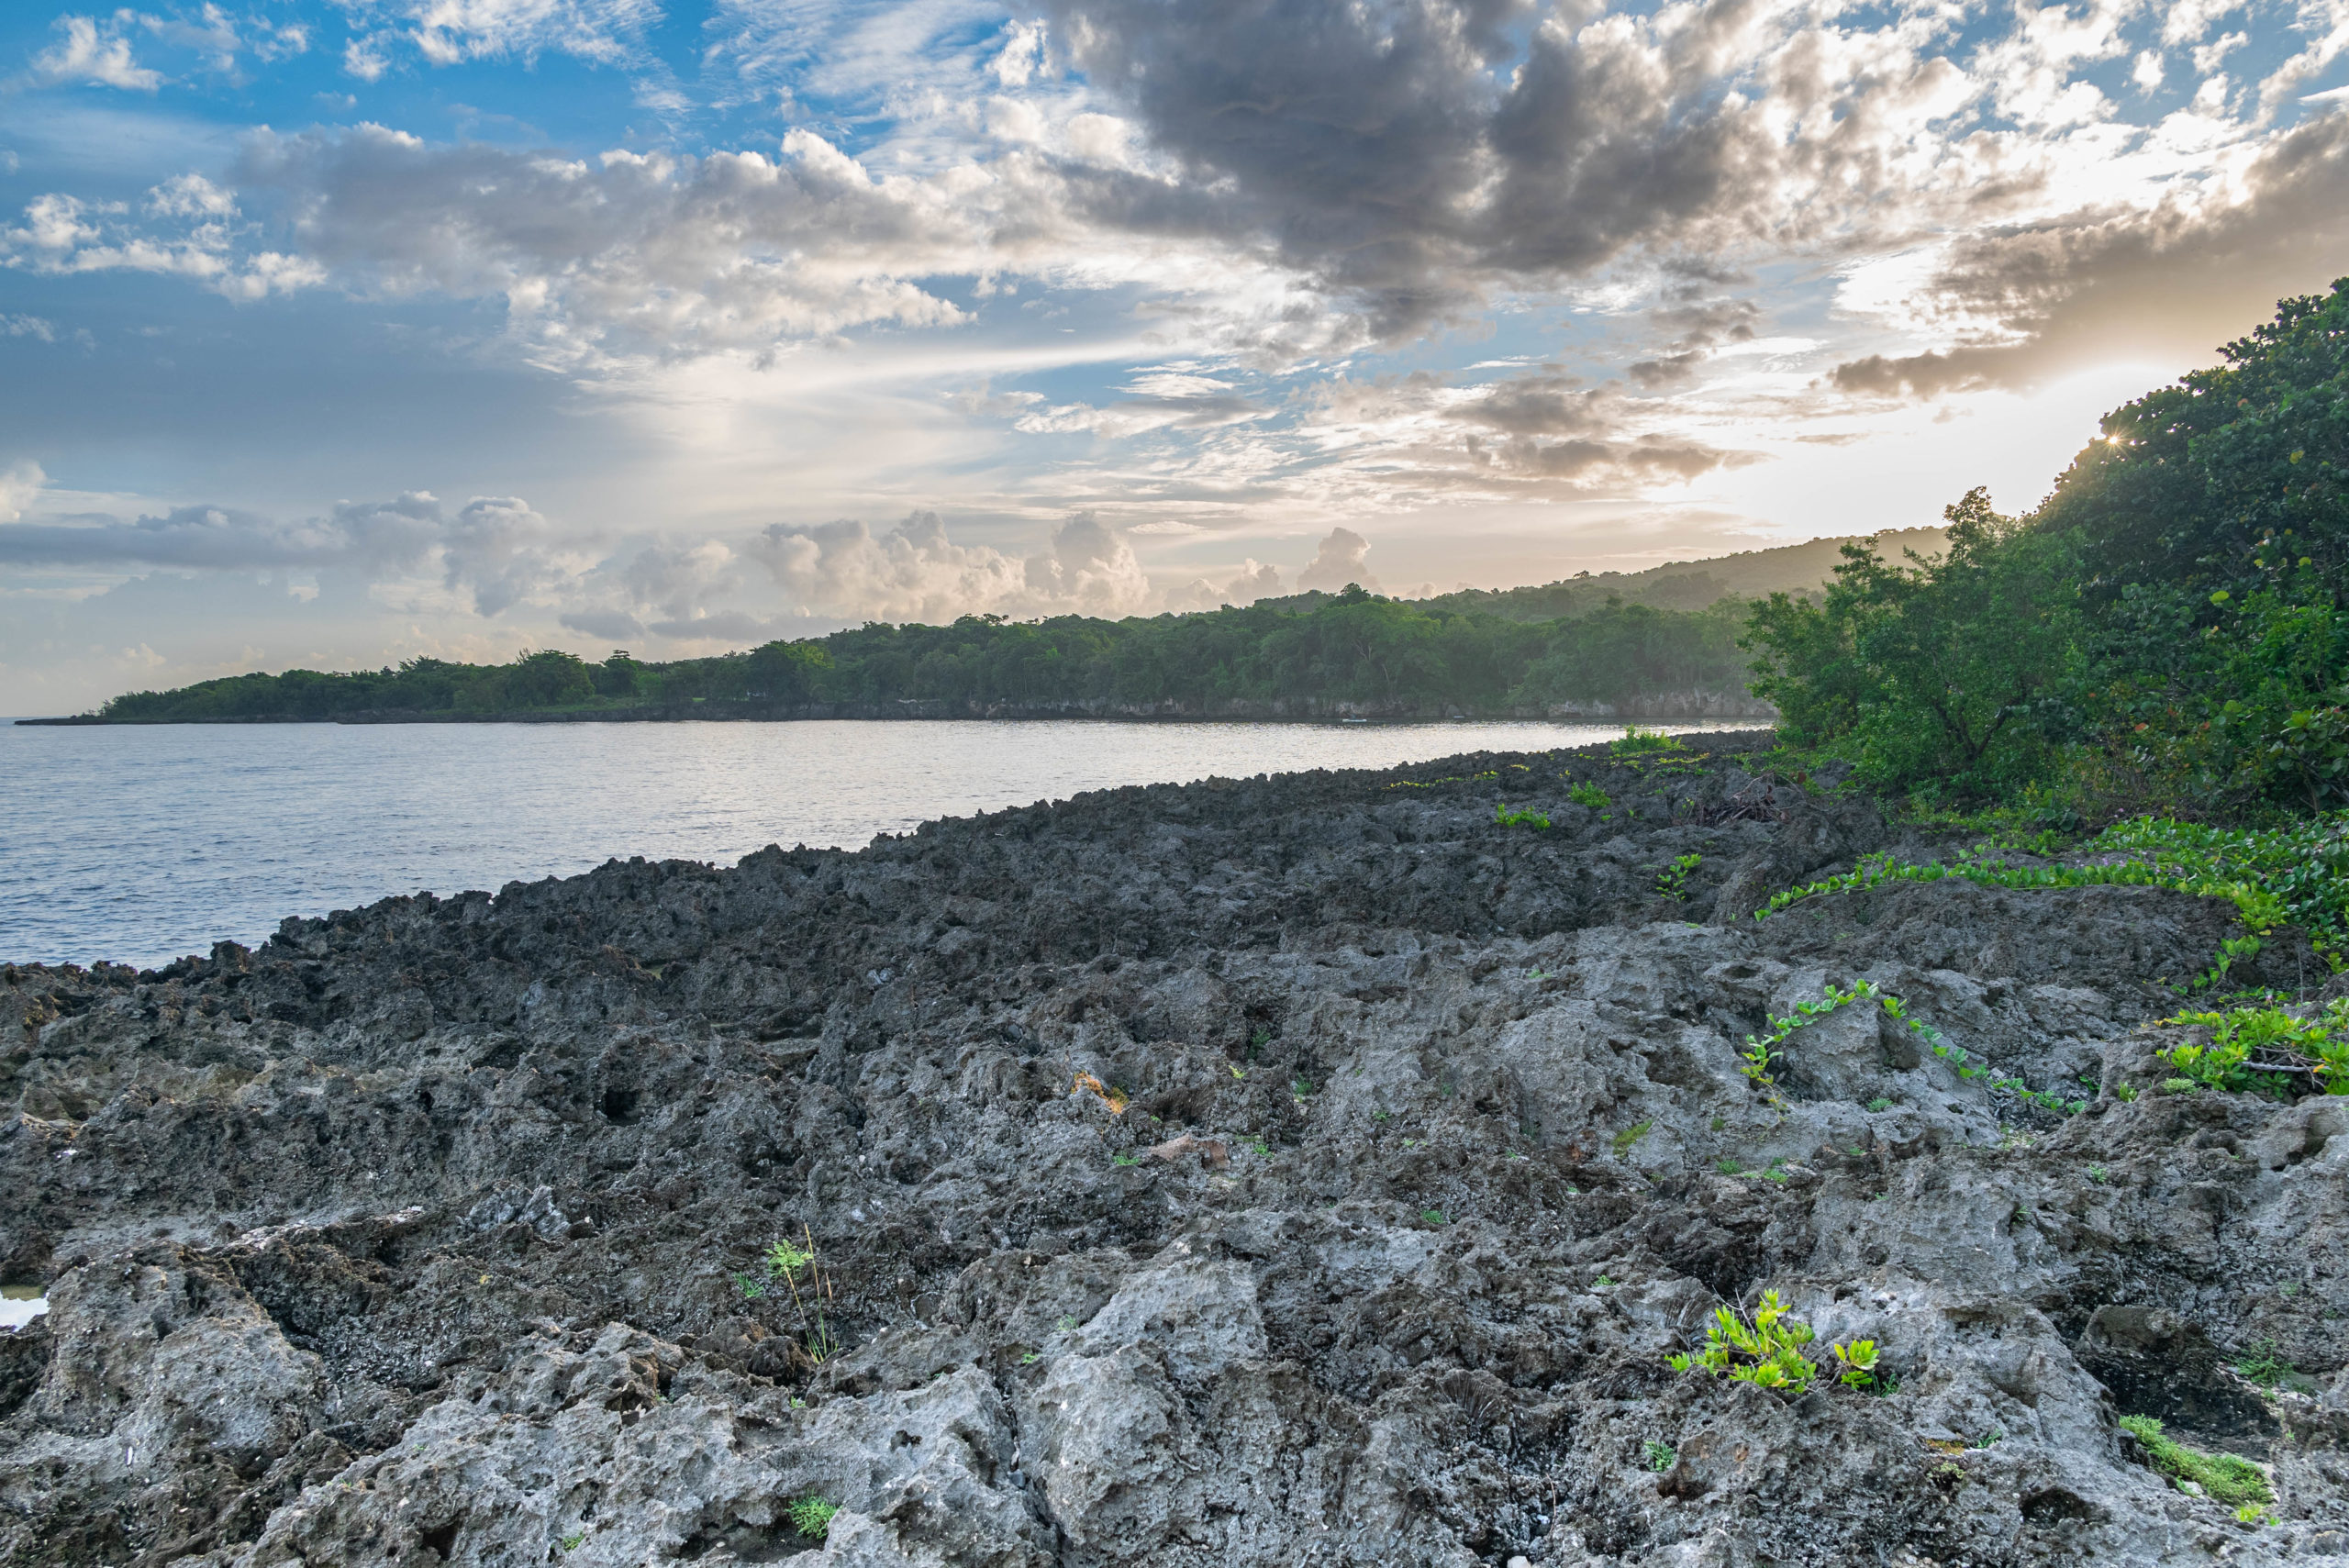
{"x": 1306, "y": 653}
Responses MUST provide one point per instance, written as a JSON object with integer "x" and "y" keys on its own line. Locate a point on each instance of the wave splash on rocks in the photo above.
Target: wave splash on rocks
{"x": 1305, "y": 1170}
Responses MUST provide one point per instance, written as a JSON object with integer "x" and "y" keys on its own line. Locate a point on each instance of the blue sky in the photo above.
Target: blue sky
{"x": 334, "y": 334}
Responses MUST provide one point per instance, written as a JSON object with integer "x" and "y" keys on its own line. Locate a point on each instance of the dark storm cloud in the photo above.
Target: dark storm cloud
{"x": 1412, "y": 152}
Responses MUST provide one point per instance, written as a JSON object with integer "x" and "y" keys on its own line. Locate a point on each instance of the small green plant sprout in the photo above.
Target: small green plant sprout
{"x": 1529, "y": 817}
{"x": 1673, "y": 881}
{"x": 2125, "y": 1093}
{"x": 1124, "y": 1160}
{"x": 571, "y": 1542}
{"x": 1589, "y": 795}
{"x": 1629, "y": 1137}
{"x": 1728, "y": 1167}
{"x": 1858, "y": 1360}
{"x": 2259, "y": 1364}
{"x": 1658, "y": 1457}
{"x": 812, "y": 1516}
{"x": 1031, "y": 1358}
{"x": 1989, "y": 1439}
{"x": 1432, "y": 1217}
{"x": 1300, "y": 1088}
{"x": 2098, "y": 1174}
{"x": 2253, "y": 1514}
{"x": 2179, "y": 1086}
{"x": 2222, "y": 1477}
{"x": 810, "y": 1296}
{"x": 1605, "y": 1282}
{"x": 1381, "y": 1115}
{"x": 1880, "y": 1104}
{"x": 1065, "y": 1322}
{"x": 1238, "y": 1071}
{"x": 1261, "y": 1147}
{"x": 1261, "y": 1039}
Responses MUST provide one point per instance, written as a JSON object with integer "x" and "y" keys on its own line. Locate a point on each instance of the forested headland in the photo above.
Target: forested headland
{"x": 1311, "y": 655}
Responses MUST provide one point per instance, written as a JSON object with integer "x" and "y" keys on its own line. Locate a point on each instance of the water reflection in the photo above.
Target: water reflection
{"x": 20, "y": 1304}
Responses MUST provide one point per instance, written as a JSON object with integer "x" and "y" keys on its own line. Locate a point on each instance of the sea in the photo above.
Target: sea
{"x": 137, "y": 844}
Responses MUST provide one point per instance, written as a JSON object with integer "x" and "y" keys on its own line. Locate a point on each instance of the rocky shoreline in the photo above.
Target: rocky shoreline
{"x": 1308, "y": 1170}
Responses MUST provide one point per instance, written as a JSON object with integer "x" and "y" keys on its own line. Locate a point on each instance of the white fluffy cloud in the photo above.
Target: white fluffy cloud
{"x": 914, "y": 573}
{"x": 1338, "y": 562}
{"x": 489, "y": 555}
{"x": 187, "y": 227}
{"x": 94, "y": 53}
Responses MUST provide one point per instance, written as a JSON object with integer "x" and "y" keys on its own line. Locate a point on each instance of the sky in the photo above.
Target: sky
{"x": 341, "y": 333}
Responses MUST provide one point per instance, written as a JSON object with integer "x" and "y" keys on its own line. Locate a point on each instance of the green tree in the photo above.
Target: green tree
{"x": 1939, "y": 677}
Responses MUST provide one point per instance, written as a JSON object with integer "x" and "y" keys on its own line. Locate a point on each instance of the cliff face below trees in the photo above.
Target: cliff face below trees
{"x": 1290, "y": 1170}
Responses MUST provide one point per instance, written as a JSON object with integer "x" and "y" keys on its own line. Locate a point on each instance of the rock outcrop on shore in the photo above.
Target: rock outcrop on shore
{"x": 1306, "y": 1170}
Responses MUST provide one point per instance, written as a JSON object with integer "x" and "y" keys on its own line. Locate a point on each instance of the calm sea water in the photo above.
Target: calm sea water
{"x": 140, "y": 843}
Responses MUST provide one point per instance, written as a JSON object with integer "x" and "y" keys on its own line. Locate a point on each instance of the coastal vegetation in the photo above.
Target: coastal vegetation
{"x": 2166, "y": 633}
{"x": 1309, "y": 652}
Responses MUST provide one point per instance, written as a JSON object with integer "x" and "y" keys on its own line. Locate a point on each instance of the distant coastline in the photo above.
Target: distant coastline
{"x": 1566, "y": 652}
{"x": 1674, "y": 707}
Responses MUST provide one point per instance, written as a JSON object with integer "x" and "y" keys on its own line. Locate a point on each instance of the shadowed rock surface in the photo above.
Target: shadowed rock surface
{"x": 422, "y": 1233}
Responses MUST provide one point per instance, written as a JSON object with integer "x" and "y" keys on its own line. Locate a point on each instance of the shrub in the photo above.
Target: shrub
{"x": 1767, "y": 1350}
{"x": 2266, "y": 1049}
{"x": 1589, "y": 795}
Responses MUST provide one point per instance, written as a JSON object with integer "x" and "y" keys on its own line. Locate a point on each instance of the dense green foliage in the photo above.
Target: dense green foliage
{"x": 1353, "y": 648}
{"x": 2168, "y": 631}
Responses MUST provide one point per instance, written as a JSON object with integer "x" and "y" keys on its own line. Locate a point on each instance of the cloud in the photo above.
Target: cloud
{"x": 914, "y": 573}
{"x": 667, "y": 254}
{"x": 615, "y": 624}
{"x": 1338, "y": 562}
{"x": 1257, "y": 580}
{"x": 492, "y": 552}
{"x": 1132, "y": 416}
{"x": 63, "y": 235}
{"x": 449, "y": 32}
{"x": 95, "y": 54}
{"x": 19, "y": 483}
{"x": 2026, "y": 301}
{"x": 1090, "y": 569}
{"x": 1413, "y": 154}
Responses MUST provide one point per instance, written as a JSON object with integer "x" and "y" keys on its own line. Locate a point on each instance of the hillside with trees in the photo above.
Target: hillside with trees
{"x": 1318, "y": 656}
{"x": 2168, "y": 631}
